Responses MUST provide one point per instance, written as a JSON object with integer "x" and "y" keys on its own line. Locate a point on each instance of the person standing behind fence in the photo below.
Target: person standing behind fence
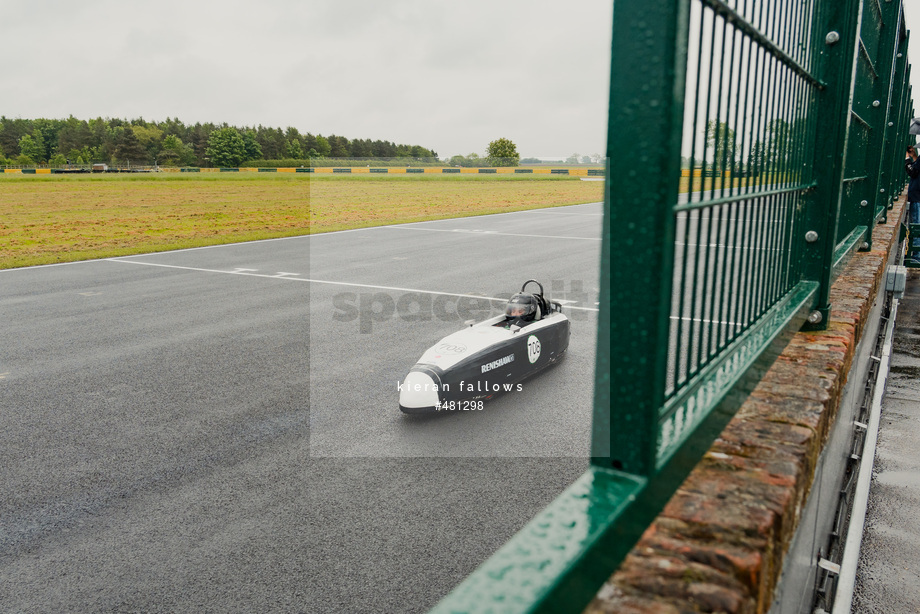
{"x": 912, "y": 167}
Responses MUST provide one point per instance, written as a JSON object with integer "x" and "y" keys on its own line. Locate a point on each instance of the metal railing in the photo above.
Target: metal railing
{"x": 793, "y": 115}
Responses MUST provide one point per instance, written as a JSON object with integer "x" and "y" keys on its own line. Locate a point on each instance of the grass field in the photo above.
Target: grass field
{"x": 64, "y": 218}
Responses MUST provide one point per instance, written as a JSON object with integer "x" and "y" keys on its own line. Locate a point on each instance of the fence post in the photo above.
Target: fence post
{"x": 645, "y": 119}
{"x": 906, "y": 117}
{"x": 891, "y": 173}
{"x": 875, "y": 106}
{"x": 834, "y": 44}
{"x": 902, "y": 80}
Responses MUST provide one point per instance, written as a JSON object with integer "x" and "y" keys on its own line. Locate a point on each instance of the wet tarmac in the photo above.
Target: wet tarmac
{"x": 888, "y": 578}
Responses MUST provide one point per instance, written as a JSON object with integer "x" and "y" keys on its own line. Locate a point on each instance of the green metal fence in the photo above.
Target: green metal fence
{"x": 754, "y": 144}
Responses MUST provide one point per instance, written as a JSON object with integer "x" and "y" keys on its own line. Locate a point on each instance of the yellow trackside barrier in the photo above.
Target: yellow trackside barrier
{"x": 365, "y": 170}
{"x": 698, "y": 172}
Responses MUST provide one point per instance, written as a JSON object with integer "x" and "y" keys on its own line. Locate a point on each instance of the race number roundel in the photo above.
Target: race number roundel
{"x": 533, "y": 349}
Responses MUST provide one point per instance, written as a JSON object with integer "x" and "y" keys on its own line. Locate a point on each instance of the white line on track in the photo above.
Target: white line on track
{"x": 246, "y": 273}
{"x": 169, "y": 251}
{"x": 320, "y": 281}
{"x": 544, "y": 212}
{"x": 492, "y": 233}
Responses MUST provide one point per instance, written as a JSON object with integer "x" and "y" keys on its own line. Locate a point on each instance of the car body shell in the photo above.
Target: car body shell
{"x": 483, "y": 360}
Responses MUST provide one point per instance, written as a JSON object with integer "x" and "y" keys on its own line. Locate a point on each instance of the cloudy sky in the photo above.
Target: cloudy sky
{"x": 451, "y": 76}
{"x": 448, "y": 76}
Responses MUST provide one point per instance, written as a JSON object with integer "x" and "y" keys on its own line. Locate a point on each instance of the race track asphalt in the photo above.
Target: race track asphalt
{"x": 217, "y": 430}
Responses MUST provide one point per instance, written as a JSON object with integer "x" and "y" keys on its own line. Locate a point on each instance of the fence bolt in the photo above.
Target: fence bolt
{"x": 815, "y": 317}
{"x": 890, "y": 124}
{"x": 900, "y": 55}
{"x": 864, "y": 202}
{"x": 876, "y": 104}
{"x": 882, "y": 190}
{"x": 864, "y": 246}
{"x": 832, "y": 38}
{"x": 811, "y": 236}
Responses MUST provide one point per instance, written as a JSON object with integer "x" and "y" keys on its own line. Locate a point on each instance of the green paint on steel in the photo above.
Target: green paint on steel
{"x": 229, "y": 170}
{"x": 558, "y": 561}
{"x": 450, "y": 170}
{"x": 523, "y": 170}
{"x": 683, "y": 413}
{"x": 304, "y": 170}
{"x": 415, "y": 170}
{"x": 268, "y": 170}
{"x": 846, "y": 248}
{"x": 559, "y": 171}
{"x": 879, "y": 37}
{"x": 884, "y": 189}
{"x": 523, "y": 574}
{"x": 824, "y": 216}
{"x": 382, "y": 171}
{"x": 341, "y": 170}
{"x": 486, "y": 171}
{"x": 644, "y": 124}
{"x": 704, "y": 293}
{"x": 190, "y": 170}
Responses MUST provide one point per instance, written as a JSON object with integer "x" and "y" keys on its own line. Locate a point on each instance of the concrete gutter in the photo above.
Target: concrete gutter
{"x": 744, "y": 518}
{"x": 846, "y": 584}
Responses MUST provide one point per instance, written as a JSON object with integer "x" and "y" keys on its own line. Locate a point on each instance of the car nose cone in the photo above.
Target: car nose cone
{"x": 418, "y": 393}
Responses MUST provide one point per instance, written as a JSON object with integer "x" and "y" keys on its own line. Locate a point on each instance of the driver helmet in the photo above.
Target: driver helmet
{"x": 523, "y": 306}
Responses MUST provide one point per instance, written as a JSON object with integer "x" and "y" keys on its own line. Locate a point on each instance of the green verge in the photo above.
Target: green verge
{"x": 47, "y": 219}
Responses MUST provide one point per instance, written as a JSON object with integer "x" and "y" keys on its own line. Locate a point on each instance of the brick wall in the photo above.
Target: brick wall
{"x": 719, "y": 544}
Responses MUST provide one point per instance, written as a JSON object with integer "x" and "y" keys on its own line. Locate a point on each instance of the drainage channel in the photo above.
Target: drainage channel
{"x": 839, "y": 556}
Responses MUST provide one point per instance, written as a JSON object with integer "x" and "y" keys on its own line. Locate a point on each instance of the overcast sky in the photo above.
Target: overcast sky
{"x": 912, "y": 18}
{"x": 448, "y": 76}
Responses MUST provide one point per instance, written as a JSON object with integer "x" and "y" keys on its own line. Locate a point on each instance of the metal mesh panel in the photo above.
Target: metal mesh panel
{"x": 790, "y": 118}
{"x": 747, "y": 146}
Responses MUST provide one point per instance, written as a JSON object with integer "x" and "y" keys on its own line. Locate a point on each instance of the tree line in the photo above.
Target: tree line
{"x": 774, "y": 150}
{"x": 28, "y": 142}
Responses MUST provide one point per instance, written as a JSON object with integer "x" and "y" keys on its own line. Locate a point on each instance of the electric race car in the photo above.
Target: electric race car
{"x": 488, "y": 358}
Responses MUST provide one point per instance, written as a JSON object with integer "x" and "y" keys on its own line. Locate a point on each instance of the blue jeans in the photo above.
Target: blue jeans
{"x": 913, "y": 221}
